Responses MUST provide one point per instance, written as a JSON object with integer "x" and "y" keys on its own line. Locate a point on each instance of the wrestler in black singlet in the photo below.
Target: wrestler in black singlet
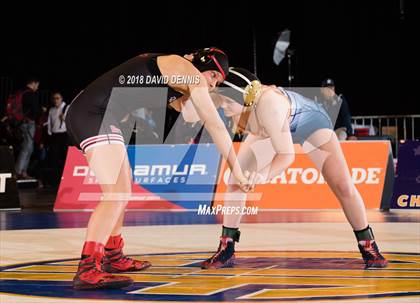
{"x": 94, "y": 114}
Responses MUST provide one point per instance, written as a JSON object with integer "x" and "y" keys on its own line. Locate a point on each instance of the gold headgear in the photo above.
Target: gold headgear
{"x": 252, "y": 93}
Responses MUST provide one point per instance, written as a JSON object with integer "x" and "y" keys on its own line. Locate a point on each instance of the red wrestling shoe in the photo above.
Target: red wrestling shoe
{"x": 224, "y": 256}
{"x": 115, "y": 261}
{"x": 90, "y": 274}
{"x": 371, "y": 255}
{"x": 368, "y": 248}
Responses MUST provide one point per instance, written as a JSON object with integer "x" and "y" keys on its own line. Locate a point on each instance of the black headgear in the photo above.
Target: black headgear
{"x": 245, "y": 82}
{"x": 211, "y": 58}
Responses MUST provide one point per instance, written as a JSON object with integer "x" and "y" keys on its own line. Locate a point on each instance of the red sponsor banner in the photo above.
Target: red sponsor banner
{"x": 302, "y": 186}
{"x": 79, "y": 189}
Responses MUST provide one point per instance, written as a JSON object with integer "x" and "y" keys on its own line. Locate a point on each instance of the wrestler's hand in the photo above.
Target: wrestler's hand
{"x": 254, "y": 178}
{"x": 244, "y": 183}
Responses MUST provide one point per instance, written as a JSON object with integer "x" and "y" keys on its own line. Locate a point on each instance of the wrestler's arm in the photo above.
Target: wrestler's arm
{"x": 273, "y": 116}
{"x": 199, "y": 94}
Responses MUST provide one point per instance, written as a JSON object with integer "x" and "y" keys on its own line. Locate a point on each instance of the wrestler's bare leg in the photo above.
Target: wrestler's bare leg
{"x": 325, "y": 151}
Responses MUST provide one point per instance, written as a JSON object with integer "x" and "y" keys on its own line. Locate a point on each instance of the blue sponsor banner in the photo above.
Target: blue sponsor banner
{"x": 184, "y": 174}
{"x": 407, "y": 180}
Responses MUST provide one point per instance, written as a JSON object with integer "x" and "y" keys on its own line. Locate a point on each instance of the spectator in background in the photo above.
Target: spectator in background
{"x": 338, "y": 108}
{"x": 58, "y": 133}
{"x": 148, "y": 117}
{"x": 145, "y": 126}
{"x": 30, "y": 112}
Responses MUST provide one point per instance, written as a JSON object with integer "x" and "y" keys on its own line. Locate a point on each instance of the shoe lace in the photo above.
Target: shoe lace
{"x": 90, "y": 265}
{"x": 117, "y": 255}
{"x": 371, "y": 248}
{"x": 222, "y": 249}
